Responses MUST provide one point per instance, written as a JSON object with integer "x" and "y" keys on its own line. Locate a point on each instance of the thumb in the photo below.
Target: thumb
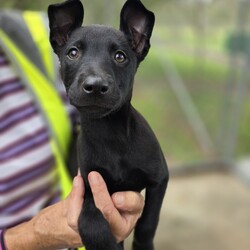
{"x": 104, "y": 203}
{"x": 75, "y": 201}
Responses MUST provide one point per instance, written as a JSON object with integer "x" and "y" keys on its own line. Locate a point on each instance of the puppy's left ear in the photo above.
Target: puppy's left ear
{"x": 64, "y": 18}
{"x": 137, "y": 23}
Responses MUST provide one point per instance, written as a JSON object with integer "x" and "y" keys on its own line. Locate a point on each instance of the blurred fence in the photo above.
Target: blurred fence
{"x": 203, "y": 48}
{"x": 206, "y": 64}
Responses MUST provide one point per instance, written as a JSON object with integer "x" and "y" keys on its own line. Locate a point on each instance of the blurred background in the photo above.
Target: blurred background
{"x": 194, "y": 90}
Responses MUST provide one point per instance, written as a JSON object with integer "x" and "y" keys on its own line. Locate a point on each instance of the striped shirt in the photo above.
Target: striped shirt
{"x": 28, "y": 178}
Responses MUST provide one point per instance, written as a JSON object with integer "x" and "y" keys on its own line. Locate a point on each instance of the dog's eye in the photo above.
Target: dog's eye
{"x": 120, "y": 57}
{"x": 73, "y": 53}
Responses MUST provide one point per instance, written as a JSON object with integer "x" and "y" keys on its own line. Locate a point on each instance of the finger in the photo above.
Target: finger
{"x": 75, "y": 201}
{"x": 103, "y": 200}
{"x": 132, "y": 202}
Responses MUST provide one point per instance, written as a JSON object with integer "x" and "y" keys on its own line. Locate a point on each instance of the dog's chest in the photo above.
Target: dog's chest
{"x": 124, "y": 151}
{"x": 120, "y": 165}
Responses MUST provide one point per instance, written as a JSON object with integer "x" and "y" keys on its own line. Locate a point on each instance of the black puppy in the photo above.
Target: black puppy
{"x": 98, "y": 65}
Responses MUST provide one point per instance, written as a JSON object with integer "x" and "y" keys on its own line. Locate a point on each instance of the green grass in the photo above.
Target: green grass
{"x": 205, "y": 80}
{"x": 213, "y": 39}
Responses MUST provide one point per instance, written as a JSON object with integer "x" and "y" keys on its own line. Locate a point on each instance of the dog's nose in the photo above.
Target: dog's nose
{"x": 95, "y": 85}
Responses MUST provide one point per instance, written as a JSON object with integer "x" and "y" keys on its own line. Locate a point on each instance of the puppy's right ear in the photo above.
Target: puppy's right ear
{"x": 64, "y": 18}
{"x": 137, "y": 23}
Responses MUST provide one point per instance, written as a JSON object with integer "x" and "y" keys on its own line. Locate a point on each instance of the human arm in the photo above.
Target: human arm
{"x": 56, "y": 226}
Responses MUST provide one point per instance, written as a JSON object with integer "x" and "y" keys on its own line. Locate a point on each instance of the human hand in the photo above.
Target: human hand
{"x": 53, "y": 227}
{"x": 121, "y": 210}
{"x": 56, "y": 226}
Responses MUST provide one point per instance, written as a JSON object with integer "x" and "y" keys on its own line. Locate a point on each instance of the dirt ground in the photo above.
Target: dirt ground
{"x": 205, "y": 212}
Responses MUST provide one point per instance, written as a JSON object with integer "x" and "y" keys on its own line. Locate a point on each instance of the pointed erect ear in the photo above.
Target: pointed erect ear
{"x": 64, "y": 18}
{"x": 137, "y": 23}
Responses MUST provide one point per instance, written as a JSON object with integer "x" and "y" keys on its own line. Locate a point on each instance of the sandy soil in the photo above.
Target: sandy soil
{"x": 205, "y": 212}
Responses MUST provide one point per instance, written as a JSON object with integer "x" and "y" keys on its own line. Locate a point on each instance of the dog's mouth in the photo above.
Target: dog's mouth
{"x": 93, "y": 110}
{"x": 94, "y": 106}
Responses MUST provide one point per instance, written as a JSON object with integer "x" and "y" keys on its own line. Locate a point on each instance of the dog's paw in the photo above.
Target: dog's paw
{"x": 95, "y": 231}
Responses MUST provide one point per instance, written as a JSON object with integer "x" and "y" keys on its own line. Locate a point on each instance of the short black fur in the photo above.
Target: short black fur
{"x": 98, "y": 65}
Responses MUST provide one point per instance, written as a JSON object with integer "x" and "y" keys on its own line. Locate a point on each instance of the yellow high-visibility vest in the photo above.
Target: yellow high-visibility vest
{"x": 41, "y": 86}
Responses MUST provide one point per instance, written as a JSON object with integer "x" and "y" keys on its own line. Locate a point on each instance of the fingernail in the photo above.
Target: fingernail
{"x": 78, "y": 172}
{"x": 119, "y": 199}
{"x": 93, "y": 178}
{"x": 76, "y": 181}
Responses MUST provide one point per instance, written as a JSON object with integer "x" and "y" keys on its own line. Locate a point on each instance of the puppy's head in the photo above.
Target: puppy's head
{"x": 98, "y": 63}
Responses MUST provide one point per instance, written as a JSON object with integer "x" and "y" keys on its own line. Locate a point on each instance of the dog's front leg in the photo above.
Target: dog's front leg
{"x": 94, "y": 229}
{"x": 147, "y": 224}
